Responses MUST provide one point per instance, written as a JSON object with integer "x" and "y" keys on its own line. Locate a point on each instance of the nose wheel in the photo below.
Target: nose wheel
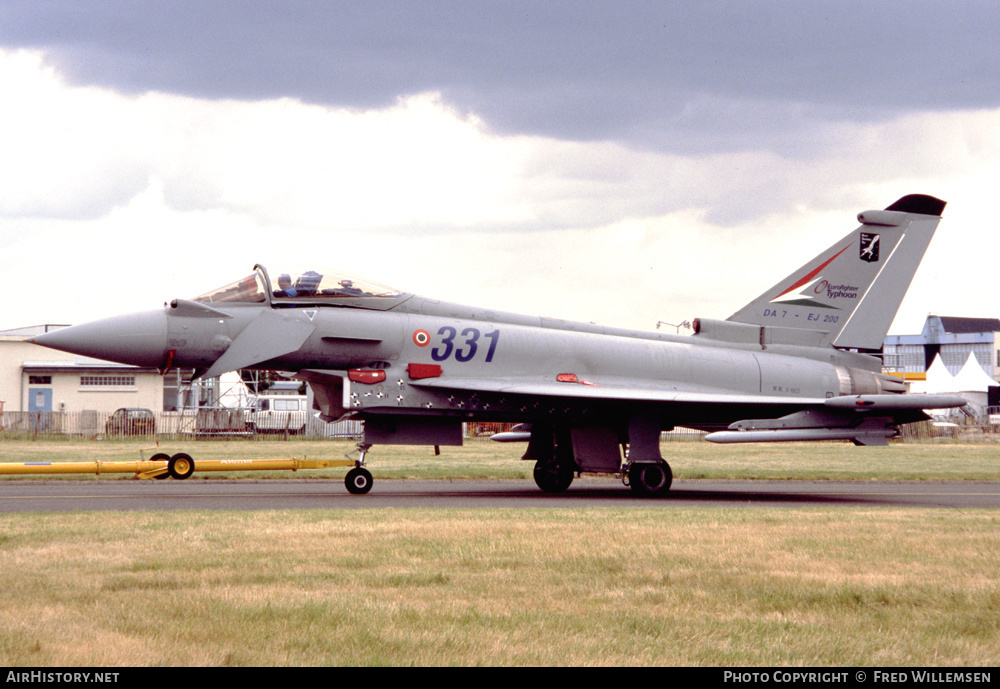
{"x": 359, "y": 480}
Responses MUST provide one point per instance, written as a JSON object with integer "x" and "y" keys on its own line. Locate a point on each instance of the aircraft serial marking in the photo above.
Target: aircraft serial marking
{"x": 466, "y": 350}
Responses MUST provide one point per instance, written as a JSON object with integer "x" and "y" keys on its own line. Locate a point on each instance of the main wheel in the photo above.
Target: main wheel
{"x": 552, "y": 477}
{"x": 180, "y": 466}
{"x": 358, "y": 481}
{"x": 650, "y": 479}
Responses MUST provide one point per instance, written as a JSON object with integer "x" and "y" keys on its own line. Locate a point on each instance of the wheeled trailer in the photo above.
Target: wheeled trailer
{"x": 181, "y": 465}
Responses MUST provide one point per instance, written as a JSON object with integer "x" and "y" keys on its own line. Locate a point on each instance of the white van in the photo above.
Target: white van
{"x": 278, "y": 414}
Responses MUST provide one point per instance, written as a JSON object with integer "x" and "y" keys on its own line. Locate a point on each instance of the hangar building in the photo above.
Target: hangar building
{"x": 950, "y": 338}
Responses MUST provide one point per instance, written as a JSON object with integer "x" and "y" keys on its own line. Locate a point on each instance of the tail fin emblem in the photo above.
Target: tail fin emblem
{"x": 869, "y": 247}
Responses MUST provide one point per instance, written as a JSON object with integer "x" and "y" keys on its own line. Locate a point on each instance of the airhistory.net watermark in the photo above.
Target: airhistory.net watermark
{"x": 44, "y": 677}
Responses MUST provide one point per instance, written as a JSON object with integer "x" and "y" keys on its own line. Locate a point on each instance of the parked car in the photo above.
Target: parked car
{"x": 278, "y": 414}
{"x": 131, "y": 422}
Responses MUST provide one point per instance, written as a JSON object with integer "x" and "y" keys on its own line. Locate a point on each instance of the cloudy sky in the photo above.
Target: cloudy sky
{"x": 618, "y": 162}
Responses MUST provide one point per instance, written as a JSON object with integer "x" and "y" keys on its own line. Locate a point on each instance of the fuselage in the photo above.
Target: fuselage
{"x": 405, "y": 354}
{"x": 781, "y": 368}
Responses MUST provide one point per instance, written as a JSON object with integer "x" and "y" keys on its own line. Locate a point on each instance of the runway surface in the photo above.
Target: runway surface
{"x": 248, "y": 494}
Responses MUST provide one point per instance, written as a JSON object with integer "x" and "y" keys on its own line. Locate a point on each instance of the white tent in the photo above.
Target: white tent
{"x": 972, "y": 383}
{"x": 939, "y": 380}
{"x": 972, "y": 377}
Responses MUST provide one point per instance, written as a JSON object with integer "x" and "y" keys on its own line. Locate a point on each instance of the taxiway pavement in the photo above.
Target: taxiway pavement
{"x": 249, "y": 494}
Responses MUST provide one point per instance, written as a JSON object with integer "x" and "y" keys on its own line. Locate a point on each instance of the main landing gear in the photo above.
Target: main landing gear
{"x": 553, "y": 476}
{"x": 648, "y": 479}
{"x": 561, "y": 452}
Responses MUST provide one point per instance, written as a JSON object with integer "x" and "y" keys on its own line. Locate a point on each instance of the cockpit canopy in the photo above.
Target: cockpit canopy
{"x": 305, "y": 286}
{"x": 249, "y": 290}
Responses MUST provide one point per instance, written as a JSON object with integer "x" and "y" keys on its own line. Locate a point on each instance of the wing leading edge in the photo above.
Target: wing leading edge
{"x": 889, "y": 404}
{"x": 620, "y": 391}
{"x": 864, "y": 419}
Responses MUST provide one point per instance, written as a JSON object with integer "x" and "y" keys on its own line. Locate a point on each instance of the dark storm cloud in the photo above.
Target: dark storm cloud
{"x": 681, "y": 76}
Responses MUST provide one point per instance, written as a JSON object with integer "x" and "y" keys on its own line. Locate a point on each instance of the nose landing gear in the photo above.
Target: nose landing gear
{"x": 359, "y": 480}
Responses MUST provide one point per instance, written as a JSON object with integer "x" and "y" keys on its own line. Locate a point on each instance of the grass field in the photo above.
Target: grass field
{"x": 591, "y": 586}
{"x": 484, "y": 459}
{"x": 641, "y": 586}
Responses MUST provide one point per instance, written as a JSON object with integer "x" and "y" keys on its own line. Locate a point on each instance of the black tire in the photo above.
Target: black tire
{"x": 552, "y": 477}
{"x": 650, "y": 479}
{"x": 160, "y": 457}
{"x": 358, "y": 481}
{"x": 180, "y": 466}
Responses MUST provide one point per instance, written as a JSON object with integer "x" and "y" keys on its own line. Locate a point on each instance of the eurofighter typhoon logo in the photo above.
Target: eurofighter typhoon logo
{"x": 816, "y": 291}
{"x": 869, "y": 247}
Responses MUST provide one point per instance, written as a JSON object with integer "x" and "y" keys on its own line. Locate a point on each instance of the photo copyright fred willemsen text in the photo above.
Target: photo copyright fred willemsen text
{"x": 916, "y": 676}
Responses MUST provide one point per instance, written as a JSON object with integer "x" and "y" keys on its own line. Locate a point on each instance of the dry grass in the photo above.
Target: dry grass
{"x": 639, "y": 586}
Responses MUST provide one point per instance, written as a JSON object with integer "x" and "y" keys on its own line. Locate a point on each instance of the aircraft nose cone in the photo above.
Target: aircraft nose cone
{"x": 138, "y": 339}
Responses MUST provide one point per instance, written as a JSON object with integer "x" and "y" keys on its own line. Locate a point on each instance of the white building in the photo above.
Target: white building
{"x": 38, "y": 379}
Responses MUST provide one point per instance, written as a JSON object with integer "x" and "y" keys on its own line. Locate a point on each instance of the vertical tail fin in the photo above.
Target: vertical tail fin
{"x": 852, "y": 290}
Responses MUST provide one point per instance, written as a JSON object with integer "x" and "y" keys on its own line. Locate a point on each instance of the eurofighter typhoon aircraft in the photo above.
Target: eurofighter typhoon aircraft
{"x": 790, "y": 365}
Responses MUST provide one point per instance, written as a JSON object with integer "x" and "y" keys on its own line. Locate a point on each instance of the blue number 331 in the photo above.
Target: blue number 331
{"x": 465, "y": 346}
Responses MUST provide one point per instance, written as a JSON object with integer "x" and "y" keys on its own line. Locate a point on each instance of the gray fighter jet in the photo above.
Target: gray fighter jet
{"x": 796, "y": 363}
